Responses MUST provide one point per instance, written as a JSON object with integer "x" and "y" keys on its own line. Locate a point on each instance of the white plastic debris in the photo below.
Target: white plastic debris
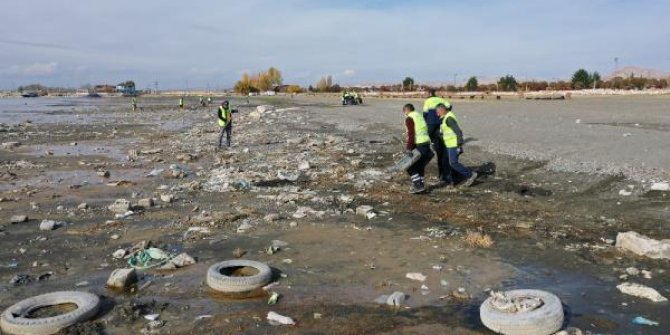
{"x": 641, "y": 291}
{"x": 279, "y": 320}
{"x": 664, "y": 187}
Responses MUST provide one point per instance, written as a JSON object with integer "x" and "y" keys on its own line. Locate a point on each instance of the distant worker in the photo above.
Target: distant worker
{"x": 344, "y": 97}
{"x": 209, "y": 100}
{"x": 417, "y": 138}
{"x": 134, "y": 102}
{"x": 181, "y": 102}
{"x": 433, "y": 122}
{"x": 225, "y": 122}
{"x": 202, "y": 101}
{"x": 452, "y": 138}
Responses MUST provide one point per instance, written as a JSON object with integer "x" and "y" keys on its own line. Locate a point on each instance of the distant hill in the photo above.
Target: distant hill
{"x": 638, "y": 72}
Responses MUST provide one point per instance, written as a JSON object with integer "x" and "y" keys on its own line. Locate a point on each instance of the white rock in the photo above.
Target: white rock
{"x": 415, "y": 276}
{"x": 304, "y": 166}
{"x": 9, "y": 145}
{"x": 244, "y": 226}
{"x": 363, "y": 210}
{"x": 396, "y": 299}
{"x": 167, "y": 198}
{"x": 262, "y": 109}
{"x": 152, "y": 317}
{"x": 632, "y": 271}
{"x": 146, "y": 203}
{"x": 660, "y": 187}
{"x": 119, "y": 254}
{"x": 279, "y": 320}
{"x": 82, "y": 206}
{"x": 183, "y": 260}
{"x": 625, "y": 193}
{"x": 641, "y": 291}
{"x": 47, "y": 225}
{"x": 120, "y": 206}
{"x": 255, "y": 116}
{"x": 122, "y": 278}
{"x": 643, "y": 246}
{"x": 18, "y": 219}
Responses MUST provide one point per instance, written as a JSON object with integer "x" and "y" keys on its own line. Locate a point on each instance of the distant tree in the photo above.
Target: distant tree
{"x": 310, "y": 88}
{"x": 451, "y": 88}
{"x": 20, "y": 89}
{"x": 245, "y": 85}
{"x": 274, "y": 76}
{"x": 507, "y": 83}
{"x": 581, "y": 79}
{"x": 325, "y": 84}
{"x": 472, "y": 84}
{"x": 294, "y": 89}
{"x": 408, "y": 84}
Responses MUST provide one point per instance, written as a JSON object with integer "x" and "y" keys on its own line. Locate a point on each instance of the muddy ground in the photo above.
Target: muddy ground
{"x": 551, "y": 229}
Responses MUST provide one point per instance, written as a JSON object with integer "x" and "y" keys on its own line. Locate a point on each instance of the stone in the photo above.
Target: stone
{"x": 396, "y": 299}
{"x": 120, "y": 206}
{"x": 303, "y": 166}
{"x": 82, "y": 206}
{"x": 641, "y": 291}
{"x": 279, "y": 320}
{"x": 364, "y": 210}
{"x": 663, "y": 187}
{"x": 262, "y": 109}
{"x": 145, "y": 203}
{"x": 183, "y": 260}
{"x": 118, "y": 254}
{"x": 632, "y": 271}
{"x": 168, "y": 198}
{"x": 255, "y": 116}
{"x": 643, "y": 246}
{"x": 122, "y": 278}
{"x": 47, "y": 225}
{"x": 10, "y": 145}
{"x": 416, "y": 276}
{"x": 103, "y": 174}
{"x": 271, "y": 217}
{"x": 244, "y": 226}
{"x": 18, "y": 219}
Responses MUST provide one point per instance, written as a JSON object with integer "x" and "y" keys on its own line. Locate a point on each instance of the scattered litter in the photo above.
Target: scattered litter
{"x": 279, "y": 320}
{"x": 643, "y": 246}
{"x": 274, "y": 298}
{"x": 641, "y": 291}
{"x": 663, "y": 187}
{"x": 202, "y": 317}
{"x": 152, "y": 317}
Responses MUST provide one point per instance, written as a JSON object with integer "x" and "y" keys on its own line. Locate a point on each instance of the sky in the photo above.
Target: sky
{"x": 209, "y": 44}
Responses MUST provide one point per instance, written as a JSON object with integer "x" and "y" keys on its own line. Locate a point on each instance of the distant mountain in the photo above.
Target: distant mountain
{"x": 638, "y": 72}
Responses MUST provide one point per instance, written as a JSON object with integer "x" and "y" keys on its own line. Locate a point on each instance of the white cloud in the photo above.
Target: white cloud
{"x": 35, "y": 69}
{"x": 349, "y": 72}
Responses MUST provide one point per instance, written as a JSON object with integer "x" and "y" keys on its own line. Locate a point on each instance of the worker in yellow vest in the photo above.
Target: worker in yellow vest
{"x": 225, "y": 121}
{"x": 181, "y": 102}
{"x": 433, "y": 121}
{"x": 134, "y": 102}
{"x": 452, "y": 138}
{"x": 417, "y": 139}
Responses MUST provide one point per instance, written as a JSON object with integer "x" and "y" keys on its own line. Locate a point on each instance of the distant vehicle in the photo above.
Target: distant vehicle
{"x": 352, "y": 100}
{"x": 269, "y": 93}
{"x": 30, "y": 95}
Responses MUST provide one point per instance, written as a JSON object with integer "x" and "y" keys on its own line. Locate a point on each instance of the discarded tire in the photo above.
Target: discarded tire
{"x": 545, "y": 320}
{"x": 223, "y": 276}
{"x": 14, "y": 321}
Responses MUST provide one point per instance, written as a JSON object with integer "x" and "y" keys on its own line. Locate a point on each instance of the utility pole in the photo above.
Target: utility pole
{"x": 156, "y": 87}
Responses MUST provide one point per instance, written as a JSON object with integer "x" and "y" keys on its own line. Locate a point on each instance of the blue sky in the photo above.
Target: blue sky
{"x": 210, "y": 43}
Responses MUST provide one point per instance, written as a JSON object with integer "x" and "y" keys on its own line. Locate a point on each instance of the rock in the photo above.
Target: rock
{"x": 415, "y": 276}
{"x": 186, "y": 158}
{"x": 641, "y": 291}
{"x": 118, "y": 254}
{"x": 103, "y": 174}
{"x": 82, "y": 206}
{"x": 244, "y": 226}
{"x": 625, "y": 193}
{"x": 643, "y": 246}
{"x": 122, "y": 278}
{"x": 271, "y": 217}
{"x": 664, "y": 187}
{"x": 10, "y": 145}
{"x": 632, "y": 271}
{"x": 262, "y": 109}
{"x": 183, "y": 260}
{"x": 21, "y": 279}
{"x": 18, "y": 219}
{"x": 279, "y": 320}
{"x": 47, "y": 225}
{"x": 303, "y": 166}
{"x": 570, "y": 331}
{"x": 145, "y": 203}
{"x": 396, "y": 299}
{"x": 364, "y": 210}
{"x": 120, "y": 206}
{"x": 255, "y": 116}
{"x": 168, "y": 198}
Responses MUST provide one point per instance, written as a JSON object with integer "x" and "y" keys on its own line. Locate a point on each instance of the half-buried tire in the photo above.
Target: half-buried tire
{"x": 545, "y": 320}
{"x": 238, "y": 276}
{"x": 14, "y": 319}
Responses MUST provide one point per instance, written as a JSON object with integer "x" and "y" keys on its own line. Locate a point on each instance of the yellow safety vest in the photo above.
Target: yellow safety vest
{"x": 420, "y": 128}
{"x": 226, "y": 116}
{"x": 448, "y": 135}
{"x": 432, "y": 102}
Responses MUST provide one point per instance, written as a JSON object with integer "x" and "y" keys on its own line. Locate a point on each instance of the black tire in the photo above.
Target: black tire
{"x": 13, "y": 320}
{"x": 229, "y": 284}
{"x": 545, "y": 320}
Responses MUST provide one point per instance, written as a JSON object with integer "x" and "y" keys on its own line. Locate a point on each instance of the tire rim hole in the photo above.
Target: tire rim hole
{"x": 239, "y": 271}
{"x": 51, "y": 311}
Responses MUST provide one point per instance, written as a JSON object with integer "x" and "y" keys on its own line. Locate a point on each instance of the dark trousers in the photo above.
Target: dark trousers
{"x": 452, "y": 165}
{"x": 438, "y": 147}
{"x": 419, "y": 168}
{"x": 227, "y": 130}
